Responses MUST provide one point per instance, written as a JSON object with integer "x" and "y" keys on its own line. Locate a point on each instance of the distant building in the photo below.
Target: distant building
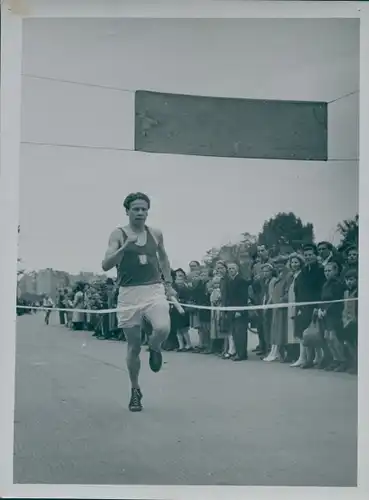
{"x": 49, "y": 281}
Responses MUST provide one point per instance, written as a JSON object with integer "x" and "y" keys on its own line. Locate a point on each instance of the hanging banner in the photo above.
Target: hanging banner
{"x": 228, "y": 127}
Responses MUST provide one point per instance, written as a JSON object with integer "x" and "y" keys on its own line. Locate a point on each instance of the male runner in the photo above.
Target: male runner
{"x": 139, "y": 255}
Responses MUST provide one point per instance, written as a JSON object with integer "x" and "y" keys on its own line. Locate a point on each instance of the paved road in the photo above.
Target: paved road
{"x": 206, "y": 421}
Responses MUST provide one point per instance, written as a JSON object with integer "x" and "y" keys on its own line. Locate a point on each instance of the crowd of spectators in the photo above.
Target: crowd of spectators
{"x": 321, "y": 335}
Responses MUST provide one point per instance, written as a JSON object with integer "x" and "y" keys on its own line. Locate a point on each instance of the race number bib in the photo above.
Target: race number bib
{"x": 142, "y": 259}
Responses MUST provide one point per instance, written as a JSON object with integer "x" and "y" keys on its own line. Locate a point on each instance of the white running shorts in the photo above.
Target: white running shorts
{"x": 144, "y": 301}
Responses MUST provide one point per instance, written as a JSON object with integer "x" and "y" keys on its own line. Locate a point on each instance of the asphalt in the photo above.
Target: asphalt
{"x": 206, "y": 421}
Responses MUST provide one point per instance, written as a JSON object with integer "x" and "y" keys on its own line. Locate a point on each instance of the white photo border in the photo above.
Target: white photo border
{"x": 12, "y": 13}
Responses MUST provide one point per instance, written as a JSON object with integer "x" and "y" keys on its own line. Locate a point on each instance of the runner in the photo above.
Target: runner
{"x": 48, "y": 304}
{"x": 138, "y": 253}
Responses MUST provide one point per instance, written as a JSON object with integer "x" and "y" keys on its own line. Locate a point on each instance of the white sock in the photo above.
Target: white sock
{"x": 180, "y": 341}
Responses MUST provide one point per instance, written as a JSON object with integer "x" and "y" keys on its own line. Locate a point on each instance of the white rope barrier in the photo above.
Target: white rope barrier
{"x": 192, "y": 306}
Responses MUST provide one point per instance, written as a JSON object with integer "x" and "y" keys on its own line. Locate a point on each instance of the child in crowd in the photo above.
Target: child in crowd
{"x": 349, "y": 318}
{"x": 181, "y": 318}
{"x": 330, "y": 315}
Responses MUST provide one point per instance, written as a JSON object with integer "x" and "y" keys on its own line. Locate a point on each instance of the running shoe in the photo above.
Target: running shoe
{"x": 155, "y": 360}
{"x": 135, "y": 401}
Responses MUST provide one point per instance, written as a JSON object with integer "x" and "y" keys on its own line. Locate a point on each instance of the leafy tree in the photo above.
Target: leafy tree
{"x": 349, "y": 231}
{"x": 285, "y": 232}
{"x": 239, "y": 252}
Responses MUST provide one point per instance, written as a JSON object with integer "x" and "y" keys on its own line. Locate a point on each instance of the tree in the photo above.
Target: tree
{"x": 239, "y": 252}
{"x": 349, "y": 231}
{"x": 285, "y": 232}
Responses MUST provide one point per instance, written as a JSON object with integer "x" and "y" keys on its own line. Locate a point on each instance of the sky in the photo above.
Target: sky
{"x": 71, "y": 198}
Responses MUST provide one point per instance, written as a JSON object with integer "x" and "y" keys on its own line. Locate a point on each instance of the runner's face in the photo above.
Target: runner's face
{"x": 138, "y": 212}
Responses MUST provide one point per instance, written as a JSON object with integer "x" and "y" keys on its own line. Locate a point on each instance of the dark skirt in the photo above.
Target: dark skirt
{"x": 349, "y": 333}
{"x": 180, "y": 321}
{"x": 303, "y": 320}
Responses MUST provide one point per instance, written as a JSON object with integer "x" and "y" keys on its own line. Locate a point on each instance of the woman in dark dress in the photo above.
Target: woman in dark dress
{"x": 182, "y": 319}
{"x": 171, "y": 343}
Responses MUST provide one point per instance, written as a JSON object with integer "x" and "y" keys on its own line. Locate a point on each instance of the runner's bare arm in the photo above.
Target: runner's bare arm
{"x": 163, "y": 257}
{"x": 115, "y": 251}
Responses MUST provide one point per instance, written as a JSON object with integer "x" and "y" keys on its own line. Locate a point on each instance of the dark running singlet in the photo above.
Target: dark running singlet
{"x": 140, "y": 264}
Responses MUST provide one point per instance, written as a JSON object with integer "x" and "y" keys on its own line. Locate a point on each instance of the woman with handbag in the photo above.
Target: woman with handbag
{"x": 278, "y": 294}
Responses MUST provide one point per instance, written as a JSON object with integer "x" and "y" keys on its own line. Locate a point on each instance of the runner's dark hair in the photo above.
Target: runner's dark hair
{"x": 133, "y": 197}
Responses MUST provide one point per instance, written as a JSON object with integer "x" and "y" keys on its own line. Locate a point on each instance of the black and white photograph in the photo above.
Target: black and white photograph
{"x": 187, "y": 283}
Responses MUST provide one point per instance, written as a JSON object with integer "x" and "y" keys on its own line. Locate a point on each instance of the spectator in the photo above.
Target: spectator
{"x": 309, "y": 289}
{"x": 111, "y": 292}
{"x": 349, "y": 317}
{"x": 201, "y": 297}
{"x": 171, "y": 342}
{"x": 266, "y": 314}
{"x": 295, "y": 264}
{"x": 216, "y": 333}
{"x": 278, "y": 295}
{"x": 351, "y": 261}
{"x": 327, "y": 253}
{"x": 330, "y": 315}
{"x": 78, "y": 304}
{"x": 182, "y": 320}
{"x": 256, "y": 293}
{"x": 69, "y": 305}
{"x": 220, "y": 343}
{"x": 238, "y": 295}
{"x": 61, "y": 304}
{"x": 193, "y": 280}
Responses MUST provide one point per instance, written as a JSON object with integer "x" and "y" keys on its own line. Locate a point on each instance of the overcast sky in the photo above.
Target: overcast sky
{"x": 71, "y": 199}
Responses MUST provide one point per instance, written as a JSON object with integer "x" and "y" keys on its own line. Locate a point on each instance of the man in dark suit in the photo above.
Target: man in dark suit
{"x": 238, "y": 295}
{"x": 308, "y": 288}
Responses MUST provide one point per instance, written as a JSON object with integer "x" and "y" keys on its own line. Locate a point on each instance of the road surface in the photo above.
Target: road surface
{"x": 205, "y": 420}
